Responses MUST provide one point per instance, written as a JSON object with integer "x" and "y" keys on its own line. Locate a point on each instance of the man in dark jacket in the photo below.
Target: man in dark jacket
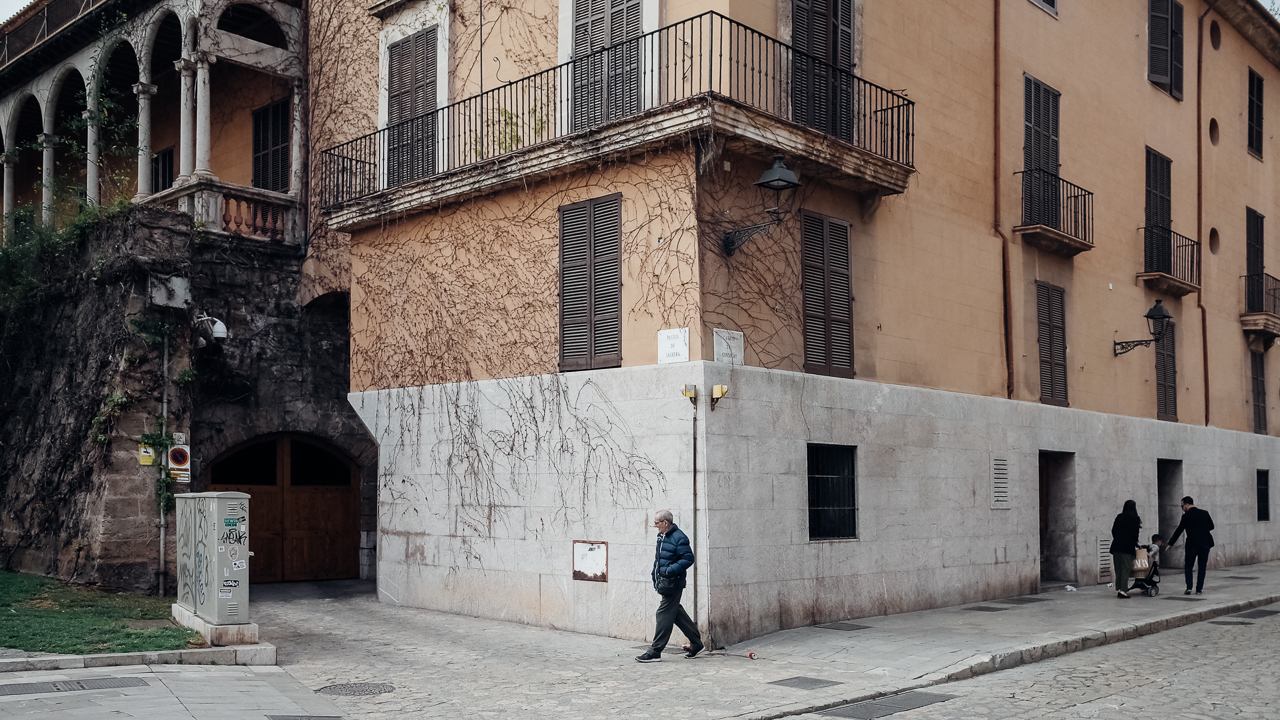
{"x": 672, "y": 558}
{"x": 1197, "y": 524}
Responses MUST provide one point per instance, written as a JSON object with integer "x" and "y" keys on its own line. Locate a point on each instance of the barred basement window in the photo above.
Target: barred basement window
{"x": 1264, "y": 495}
{"x": 1258, "y": 364}
{"x": 271, "y": 152}
{"x": 1051, "y": 321}
{"x": 1164, "y": 50}
{"x": 833, "y": 496}
{"x": 591, "y": 284}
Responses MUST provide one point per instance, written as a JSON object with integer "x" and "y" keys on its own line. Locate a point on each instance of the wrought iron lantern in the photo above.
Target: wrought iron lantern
{"x": 778, "y": 179}
{"x": 1157, "y": 324}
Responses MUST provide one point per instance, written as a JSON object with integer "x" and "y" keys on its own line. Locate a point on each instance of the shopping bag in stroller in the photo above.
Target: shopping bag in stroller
{"x": 1146, "y": 573}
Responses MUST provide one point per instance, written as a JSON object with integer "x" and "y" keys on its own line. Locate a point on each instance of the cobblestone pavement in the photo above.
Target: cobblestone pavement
{"x": 1219, "y": 669}
{"x": 160, "y": 692}
{"x": 454, "y": 666}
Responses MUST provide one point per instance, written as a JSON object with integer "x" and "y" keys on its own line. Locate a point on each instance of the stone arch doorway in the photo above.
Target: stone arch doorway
{"x": 304, "y": 507}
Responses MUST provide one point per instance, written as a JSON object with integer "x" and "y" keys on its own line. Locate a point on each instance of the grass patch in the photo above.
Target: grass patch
{"x": 38, "y": 614}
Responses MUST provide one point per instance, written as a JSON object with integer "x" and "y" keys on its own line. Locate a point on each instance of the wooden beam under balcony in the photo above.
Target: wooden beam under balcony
{"x": 1052, "y": 240}
{"x": 1167, "y": 284}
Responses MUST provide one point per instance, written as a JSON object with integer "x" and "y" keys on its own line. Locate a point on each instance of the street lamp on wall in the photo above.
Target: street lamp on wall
{"x": 1157, "y": 324}
{"x": 777, "y": 178}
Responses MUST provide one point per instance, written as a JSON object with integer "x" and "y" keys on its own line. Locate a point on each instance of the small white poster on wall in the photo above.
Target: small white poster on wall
{"x": 591, "y": 560}
{"x": 728, "y": 346}
{"x": 673, "y": 345}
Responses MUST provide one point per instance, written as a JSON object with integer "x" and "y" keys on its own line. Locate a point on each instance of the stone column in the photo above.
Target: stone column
{"x": 186, "y": 161}
{"x": 296, "y": 146}
{"x": 204, "y": 130}
{"x": 144, "y": 91}
{"x": 91, "y": 189}
{"x": 47, "y": 141}
{"x": 10, "y": 160}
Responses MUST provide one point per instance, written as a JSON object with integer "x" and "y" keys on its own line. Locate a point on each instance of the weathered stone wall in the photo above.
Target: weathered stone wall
{"x": 76, "y": 502}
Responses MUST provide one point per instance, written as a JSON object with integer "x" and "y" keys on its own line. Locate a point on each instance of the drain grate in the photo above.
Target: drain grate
{"x": 986, "y": 608}
{"x": 846, "y": 626}
{"x": 1021, "y": 600}
{"x": 804, "y": 683}
{"x": 357, "y": 689}
{"x": 1241, "y": 577}
{"x": 71, "y": 685}
{"x": 1229, "y": 622}
{"x": 886, "y": 706}
{"x": 1257, "y": 614}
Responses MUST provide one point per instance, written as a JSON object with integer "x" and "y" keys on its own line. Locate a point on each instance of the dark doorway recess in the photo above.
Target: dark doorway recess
{"x": 1057, "y": 517}
{"x": 1169, "y": 498}
{"x": 304, "y": 508}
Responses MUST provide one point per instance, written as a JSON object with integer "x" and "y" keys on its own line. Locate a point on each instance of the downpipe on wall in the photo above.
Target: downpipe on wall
{"x": 163, "y": 573}
{"x": 1005, "y": 277}
{"x": 1204, "y": 320}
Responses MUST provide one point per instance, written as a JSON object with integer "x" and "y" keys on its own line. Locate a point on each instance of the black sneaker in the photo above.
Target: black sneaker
{"x": 1198, "y": 592}
{"x": 693, "y": 652}
{"x": 1187, "y": 591}
{"x": 648, "y": 656}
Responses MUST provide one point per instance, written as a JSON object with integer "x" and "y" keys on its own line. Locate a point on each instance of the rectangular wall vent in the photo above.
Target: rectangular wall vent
{"x": 1104, "y": 561}
{"x": 1000, "y": 483}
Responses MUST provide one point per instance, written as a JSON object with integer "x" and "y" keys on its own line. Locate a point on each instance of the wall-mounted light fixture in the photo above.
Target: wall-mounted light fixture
{"x": 717, "y": 392}
{"x": 777, "y": 178}
{"x": 1157, "y": 324}
{"x": 691, "y": 392}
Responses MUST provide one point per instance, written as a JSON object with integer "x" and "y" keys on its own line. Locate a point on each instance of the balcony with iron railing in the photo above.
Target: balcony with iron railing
{"x": 707, "y": 74}
{"x": 1057, "y": 216}
{"x": 1261, "y": 318}
{"x": 1171, "y": 262}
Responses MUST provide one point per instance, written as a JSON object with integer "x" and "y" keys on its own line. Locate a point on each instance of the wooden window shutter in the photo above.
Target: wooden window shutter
{"x": 1255, "y": 112}
{"x": 623, "y": 59}
{"x": 842, "y": 58}
{"x": 1167, "y": 376}
{"x": 1175, "y": 50}
{"x": 1040, "y": 150}
{"x": 411, "y": 102}
{"x": 1052, "y": 335}
{"x": 828, "y": 298}
{"x": 1258, "y": 365}
{"x": 591, "y": 284}
{"x": 1254, "y": 285}
{"x": 590, "y": 34}
{"x": 1159, "y": 66}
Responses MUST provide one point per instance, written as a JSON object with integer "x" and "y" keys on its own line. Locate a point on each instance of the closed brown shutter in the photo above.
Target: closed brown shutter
{"x": 1175, "y": 50}
{"x": 1258, "y": 366}
{"x": 411, "y": 102}
{"x": 1254, "y": 286}
{"x": 1052, "y": 336}
{"x": 1255, "y": 112}
{"x": 1158, "y": 32}
{"x": 591, "y": 284}
{"x": 1158, "y": 250}
{"x": 828, "y": 299}
{"x": 606, "y": 67}
{"x": 1040, "y": 154}
{"x": 1167, "y": 376}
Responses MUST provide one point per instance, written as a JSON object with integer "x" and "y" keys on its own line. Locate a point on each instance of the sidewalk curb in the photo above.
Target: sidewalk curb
{"x": 260, "y": 654}
{"x": 982, "y": 664}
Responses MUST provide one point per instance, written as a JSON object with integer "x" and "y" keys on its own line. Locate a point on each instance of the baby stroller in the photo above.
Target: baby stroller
{"x": 1148, "y": 583}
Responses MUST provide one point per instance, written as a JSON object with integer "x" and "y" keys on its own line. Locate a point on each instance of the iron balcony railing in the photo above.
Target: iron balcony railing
{"x": 704, "y": 55}
{"x": 1262, "y": 293}
{"x": 1172, "y": 254}
{"x": 1050, "y": 201}
{"x": 50, "y": 19}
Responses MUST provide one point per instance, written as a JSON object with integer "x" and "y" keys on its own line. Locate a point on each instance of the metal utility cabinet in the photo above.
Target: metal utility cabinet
{"x": 213, "y": 556}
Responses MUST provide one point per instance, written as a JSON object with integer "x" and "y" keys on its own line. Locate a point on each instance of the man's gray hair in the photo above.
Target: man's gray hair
{"x": 663, "y": 515}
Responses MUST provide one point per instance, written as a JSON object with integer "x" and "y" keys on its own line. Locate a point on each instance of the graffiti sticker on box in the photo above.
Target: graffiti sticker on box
{"x": 229, "y": 522}
{"x": 238, "y": 565}
{"x": 224, "y": 593}
{"x": 230, "y": 583}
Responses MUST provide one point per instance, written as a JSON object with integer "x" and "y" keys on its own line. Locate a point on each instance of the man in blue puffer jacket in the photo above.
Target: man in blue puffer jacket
{"x": 672, "y": 558}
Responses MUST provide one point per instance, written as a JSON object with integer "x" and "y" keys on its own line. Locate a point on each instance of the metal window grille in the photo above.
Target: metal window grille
{"x": 833, "y": 497}
{"x": 1264, "y": 495}
{"x": 162, "y": 170}
{"x": 1255, "y": 113}
{"x": 271, "y": 151}
{"x": 1000, "y": 483}
{"x": 1258, "y": 363}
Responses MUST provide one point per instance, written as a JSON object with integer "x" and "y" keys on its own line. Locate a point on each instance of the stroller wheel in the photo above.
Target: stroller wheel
{"x": 1146, "y": 591}
{"x": 1155, "y": 590}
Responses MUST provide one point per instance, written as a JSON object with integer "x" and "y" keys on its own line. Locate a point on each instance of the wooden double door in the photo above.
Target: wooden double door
{"x": 304, "y": 508}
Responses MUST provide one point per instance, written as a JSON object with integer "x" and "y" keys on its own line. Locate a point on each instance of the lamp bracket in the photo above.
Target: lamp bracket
{"x": 735, "y": 239}
{"x": 1125, "y": 346}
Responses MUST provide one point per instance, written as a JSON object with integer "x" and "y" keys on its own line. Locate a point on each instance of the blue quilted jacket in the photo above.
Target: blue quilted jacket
{"x": 672, "y": 557}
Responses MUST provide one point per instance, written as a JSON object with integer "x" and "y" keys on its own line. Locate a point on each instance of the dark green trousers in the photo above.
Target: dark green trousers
{"x": 1124, "y": 569}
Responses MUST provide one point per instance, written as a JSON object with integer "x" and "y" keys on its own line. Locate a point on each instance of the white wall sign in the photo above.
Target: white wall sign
{"x": 728, "y": 344}
{"x": 590, "y": 561}
{"x": 673, "y": 345}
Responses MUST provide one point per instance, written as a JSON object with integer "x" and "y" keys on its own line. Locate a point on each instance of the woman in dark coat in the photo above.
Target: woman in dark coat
{"x": 1124, "y": 545}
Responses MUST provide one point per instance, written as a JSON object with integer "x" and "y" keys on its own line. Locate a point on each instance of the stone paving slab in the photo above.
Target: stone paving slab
{"x": 172, "y": 692}
{"x": 259, "y": 654}
{"x": 455, "y": 666}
